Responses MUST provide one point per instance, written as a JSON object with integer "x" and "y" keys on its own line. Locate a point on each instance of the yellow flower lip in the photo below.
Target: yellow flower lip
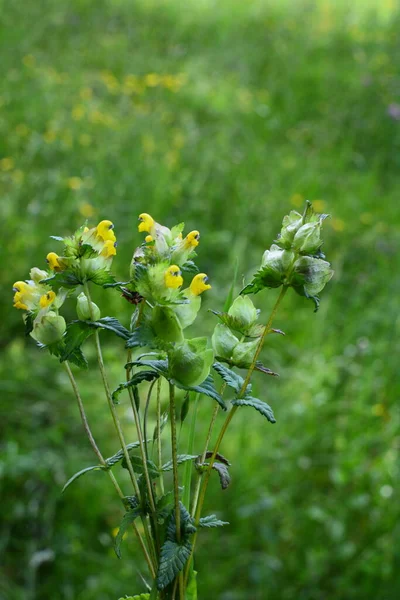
{"x": 192, "y": 238}
{"x": 109, "y": 249}
{"x": 146, "y": 222}
{"x": 173, "y": 277}
{"x": 52, "y": 261}
{"x": 104, "y": 231}
{"x": 47, "y": 299}
{"x": 199, "y": 284}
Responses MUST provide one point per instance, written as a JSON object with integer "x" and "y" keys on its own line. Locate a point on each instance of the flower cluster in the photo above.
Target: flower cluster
{"x": 156, "y": 272}
{"x": 295, "y": 260}
{"x": 87, "y": 256}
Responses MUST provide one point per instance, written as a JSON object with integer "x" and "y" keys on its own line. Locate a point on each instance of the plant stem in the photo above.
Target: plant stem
{"x": 159, "y": 449}
{"x": 103, "y": 462}
{"x": 174, "y": 452}
{"x": 187, "y": 477}
{"x": 146, "y": 410}
{"x": 116, "y": 420}
{"x": 203, "y": 458}
{"x": 229, "y": 419}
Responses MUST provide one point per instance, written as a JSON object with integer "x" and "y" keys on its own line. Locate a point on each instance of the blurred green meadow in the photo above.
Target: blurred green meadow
{"x": 225, "y": 115}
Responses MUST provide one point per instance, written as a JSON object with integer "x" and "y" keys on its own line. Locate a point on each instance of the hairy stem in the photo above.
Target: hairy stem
{"x": 187, "y": 477}
{"x": 159, "y": 447}
{"x": 174, "y": 452}
{"x": 103, "y": 461}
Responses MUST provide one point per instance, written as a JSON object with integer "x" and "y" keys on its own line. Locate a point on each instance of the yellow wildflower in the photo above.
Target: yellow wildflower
{"x": 199, "y": 284}
{"x": 47, "y": 299}
{"x": 7, "y": 164}
{"x": 109, "y": 249}
{"x": 104, "y": 231}
{"x": 78, "y": 112}
{"x": 86, "y": 210}
{"x": 172, "y": 277}
{"x": 74, "y": 183}
{"x": 52, "y": 261}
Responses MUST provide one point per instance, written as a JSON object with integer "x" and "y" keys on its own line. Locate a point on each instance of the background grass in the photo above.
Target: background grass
{"x": 225, "y": 115}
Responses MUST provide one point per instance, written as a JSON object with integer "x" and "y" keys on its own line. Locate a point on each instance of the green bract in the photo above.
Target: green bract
{"x": 223, "y": 341}
{"x": 244, "y": 312}
{"x": 166, "y": 324}
{"x": 190, "y": 362}
{"x": 48, "y": 328}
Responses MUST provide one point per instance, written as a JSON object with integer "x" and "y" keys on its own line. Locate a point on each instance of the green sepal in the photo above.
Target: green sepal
{"x": 190, "y": 362}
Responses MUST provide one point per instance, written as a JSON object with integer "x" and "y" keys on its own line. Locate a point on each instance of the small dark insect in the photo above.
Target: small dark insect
{"x": 132, "y": 297}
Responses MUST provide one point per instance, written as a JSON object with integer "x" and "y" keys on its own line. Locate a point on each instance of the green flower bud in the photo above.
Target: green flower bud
{"x": 290, "y": 225}
{"x": 84, "y": 310}
{"x": 310, "y": 275}
{"x": 275, "y": 265}
{"x": 243, "y": 353}
{"x": 49, "y": 328}
{"x": 244, "y": 312}
{"x": 223, "y": 341}
{"x": 166, "y": 324}
{"x": 37, "y": 275}
{"x": 308, "y": 238}
{"x": 190, "y": 362}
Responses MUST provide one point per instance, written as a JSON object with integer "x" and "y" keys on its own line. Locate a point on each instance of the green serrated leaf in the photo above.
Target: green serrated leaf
{"x": 160, "y": 366}
{"x": 231, "y": 378}
{"x": 174, "y": 554}
{"x": 102, "y": 277}
{"x": 136, "y": 379}
{"x": 173, "y": 557}
{"x": 181, "y": 458}
{"x": 190, "y": 267}
{"x": 142, "y": 336}
{"x": 78, "y": 358}
{"x": 262, "y": 407}
{"x": 137, "y": 464}
{"x": 207, "y": 388}
{"x": 112, "y": 460}
{"x": 211, "y": 521}
{"x": 111, "y": 324}
{"x": 68, "y": 279}
{"x": 80, "y": 473}
{"x": 77, "y": 332}
{"x": 127, "y": 520}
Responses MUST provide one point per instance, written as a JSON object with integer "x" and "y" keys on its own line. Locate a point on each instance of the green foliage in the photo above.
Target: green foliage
{"x": 174, "y": 554}
{"x": 134, "y": 382}
{"x": 80, "y": 473}
{"x": 223, "y": 473}
{"x": 211, "y": 521}
{"x": 320, "y": 99}
{"x": 127, "y": 520}
{"x": 259, "y": 405}
{"x": 137, "y": 597}
{"x": 231, "y": 378}
{"x": 181, "y": 458}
